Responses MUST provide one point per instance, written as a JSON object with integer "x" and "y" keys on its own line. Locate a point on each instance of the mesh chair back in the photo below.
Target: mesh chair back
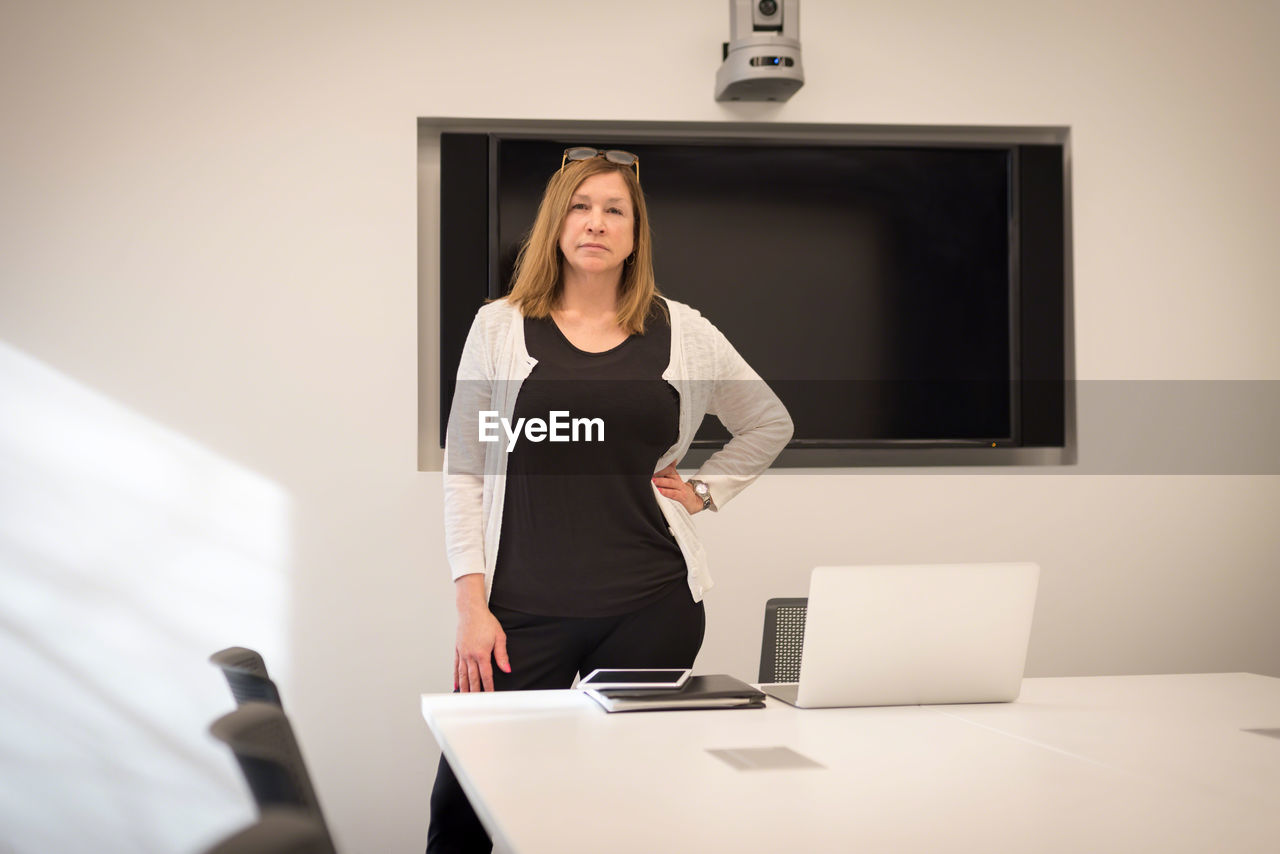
{"x": 260, "y": 736}
{"x": 783, "y": 640}
{"x": 246, "y": 674}
{"x": 278, "y": 832}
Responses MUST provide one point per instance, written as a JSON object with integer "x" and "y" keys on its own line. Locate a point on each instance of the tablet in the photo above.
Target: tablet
{"x": 652, "y": 679}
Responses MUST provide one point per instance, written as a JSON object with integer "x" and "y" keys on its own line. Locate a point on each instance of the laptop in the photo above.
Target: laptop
{"x": 927, "y": 634}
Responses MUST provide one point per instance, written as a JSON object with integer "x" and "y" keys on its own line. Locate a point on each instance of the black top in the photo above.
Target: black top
{"x": 582, "y": 533}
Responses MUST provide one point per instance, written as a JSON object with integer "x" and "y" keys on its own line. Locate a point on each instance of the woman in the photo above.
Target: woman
{"x": 574, "y": 549}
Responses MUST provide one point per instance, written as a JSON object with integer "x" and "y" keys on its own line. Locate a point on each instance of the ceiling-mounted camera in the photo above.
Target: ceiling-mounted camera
{"x": 762, "y": 56}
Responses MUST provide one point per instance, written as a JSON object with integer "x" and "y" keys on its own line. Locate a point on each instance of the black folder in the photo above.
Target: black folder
{"x": 716, "y": 691}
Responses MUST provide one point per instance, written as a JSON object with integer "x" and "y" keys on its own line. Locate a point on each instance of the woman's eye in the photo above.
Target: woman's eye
{"x": 580, "y": 205}
{"x": 617, "y": 211}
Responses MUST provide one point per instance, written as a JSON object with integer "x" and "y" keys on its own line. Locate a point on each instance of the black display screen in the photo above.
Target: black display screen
{"x": 873, "y": 287}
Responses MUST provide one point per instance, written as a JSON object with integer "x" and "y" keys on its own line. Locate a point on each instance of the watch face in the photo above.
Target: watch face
{"x": 702, "y": 489}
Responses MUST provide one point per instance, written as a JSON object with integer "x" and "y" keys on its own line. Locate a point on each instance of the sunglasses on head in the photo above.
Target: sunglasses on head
{"x": 613, "y": 155}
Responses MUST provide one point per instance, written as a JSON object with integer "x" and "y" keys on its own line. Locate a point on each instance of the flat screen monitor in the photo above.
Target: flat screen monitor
{"x": 893, "y": 295}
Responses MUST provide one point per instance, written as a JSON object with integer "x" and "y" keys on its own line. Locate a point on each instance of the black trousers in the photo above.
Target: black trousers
{"x": 548, "y": 652}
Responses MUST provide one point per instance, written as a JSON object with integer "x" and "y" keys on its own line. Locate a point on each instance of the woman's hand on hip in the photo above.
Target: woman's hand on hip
{"x": 480, "y": 640}
{"x": 669, "y": 484}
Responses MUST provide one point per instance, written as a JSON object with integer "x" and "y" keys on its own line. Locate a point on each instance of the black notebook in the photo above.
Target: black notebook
{"x": 717, "y": 691}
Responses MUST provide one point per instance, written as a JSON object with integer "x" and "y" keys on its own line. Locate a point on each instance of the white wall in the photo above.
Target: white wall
{"x": 209, "y": 235}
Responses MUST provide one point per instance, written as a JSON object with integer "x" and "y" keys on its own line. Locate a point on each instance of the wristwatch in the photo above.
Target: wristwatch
{"x": 703, "y": 491}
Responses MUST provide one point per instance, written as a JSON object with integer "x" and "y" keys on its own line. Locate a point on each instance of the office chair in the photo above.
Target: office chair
{"x": 783, "y": 640}
{"x": 246, "y": 673}
{"x": 278, "y": 831}
{"x": 260, "y": 736}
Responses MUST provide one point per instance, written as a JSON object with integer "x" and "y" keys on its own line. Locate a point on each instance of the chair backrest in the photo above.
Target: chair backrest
{"x": 246, "y": 674}
{"x": 278, "y": 831}
{"x": 263, "y": 741}
{"x": 783, "y": 640}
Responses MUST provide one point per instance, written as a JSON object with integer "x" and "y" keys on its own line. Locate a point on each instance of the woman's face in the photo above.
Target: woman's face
{"x": 599, "y": 230}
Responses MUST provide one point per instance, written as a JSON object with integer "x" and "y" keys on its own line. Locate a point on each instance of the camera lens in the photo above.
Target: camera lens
{"x": 768, "y": 7}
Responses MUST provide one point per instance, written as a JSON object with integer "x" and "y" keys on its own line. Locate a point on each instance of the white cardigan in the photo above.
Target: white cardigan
{"x": 704, "y": 368}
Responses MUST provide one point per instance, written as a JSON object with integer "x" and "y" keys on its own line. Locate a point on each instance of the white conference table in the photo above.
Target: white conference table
{"x": 1090, "y": 764}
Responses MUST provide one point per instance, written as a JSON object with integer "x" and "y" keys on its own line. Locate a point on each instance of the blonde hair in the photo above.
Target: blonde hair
{"x": 536, "y": 284}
